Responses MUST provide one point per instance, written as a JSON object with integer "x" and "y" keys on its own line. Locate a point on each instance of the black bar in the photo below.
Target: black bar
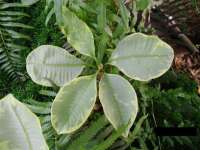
{"x": 160, "y": 131}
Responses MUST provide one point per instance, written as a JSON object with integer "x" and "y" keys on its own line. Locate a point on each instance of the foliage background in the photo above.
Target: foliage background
{"x": 171, "y": 100}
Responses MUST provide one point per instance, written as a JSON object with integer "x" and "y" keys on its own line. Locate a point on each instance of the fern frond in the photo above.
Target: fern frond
{"x": 110, "y": 140}
{"x": 45, "y": 119}
{"x": 43, "y": 110}
{"x": 88, "y": 134}
{"x": 48, "y": 93}
{"x": 10, "y": 48}
{"x": 49, "y": 10}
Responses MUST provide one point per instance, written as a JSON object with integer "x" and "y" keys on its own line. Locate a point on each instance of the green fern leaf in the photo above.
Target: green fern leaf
{"x": 88, "y": 134}
{"x": 10, "y": 36}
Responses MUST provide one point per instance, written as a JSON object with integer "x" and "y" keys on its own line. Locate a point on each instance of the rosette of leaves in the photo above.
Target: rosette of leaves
{"x": 137, "y": 56}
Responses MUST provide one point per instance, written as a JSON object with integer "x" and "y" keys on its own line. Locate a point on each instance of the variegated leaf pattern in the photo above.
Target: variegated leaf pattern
{"x": 142, "y": 57}
{"x": 119, "y": 101}
{"x": 20, "y": 129}
{"x": 49, "y": 64}
{"x": 78, "y": 33}
{"x": 73, "y": 104}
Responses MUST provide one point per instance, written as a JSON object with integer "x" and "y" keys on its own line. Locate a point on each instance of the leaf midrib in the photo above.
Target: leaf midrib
{"x": 137, "y": 56}
{"x": 24, "y": 129}
{"x": 57, "y": 65}
{"x": 83, "y": 92}
{"x": 114, "y": 97}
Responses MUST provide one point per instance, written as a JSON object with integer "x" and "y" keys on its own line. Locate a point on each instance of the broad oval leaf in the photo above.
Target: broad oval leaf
{"x": 73, "y": 104}
{"x": 78, "y": 33}
{"x": 142, "y": 57}
{"x": 19, "y": 128}
{"x": 51, "y": 64}
{"x": 119, "y": 101}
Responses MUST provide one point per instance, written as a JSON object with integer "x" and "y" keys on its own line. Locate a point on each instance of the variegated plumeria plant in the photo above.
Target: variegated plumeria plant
{"x": 138, "y": 56}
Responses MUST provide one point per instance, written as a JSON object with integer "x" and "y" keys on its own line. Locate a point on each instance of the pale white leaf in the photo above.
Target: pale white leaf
{"x": 119, "y": 101}
{"x": 47, "y": 64}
